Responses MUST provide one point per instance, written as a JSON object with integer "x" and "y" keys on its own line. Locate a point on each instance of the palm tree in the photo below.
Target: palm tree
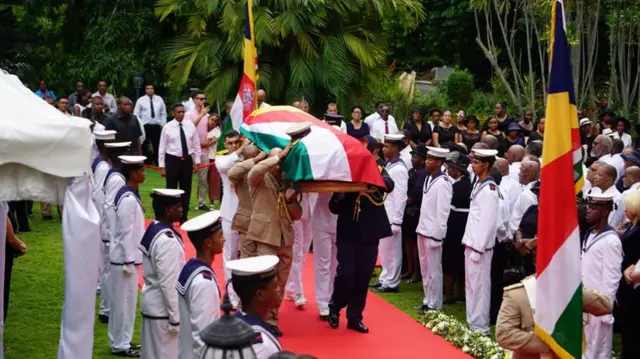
{"x": 311, "y": 49}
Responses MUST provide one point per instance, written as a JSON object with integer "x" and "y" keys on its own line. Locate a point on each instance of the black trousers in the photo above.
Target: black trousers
{"x": 498, "y": 265}
{"x": 356, "y": 261}
{"x": 8, "y": 268}
{"x": 152, "y": 139}
{"x": 19, "y": 210}
{"x": 180, "y": 175}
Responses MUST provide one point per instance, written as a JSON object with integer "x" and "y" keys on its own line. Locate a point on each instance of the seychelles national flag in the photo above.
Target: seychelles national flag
{"x": 558, "y": 314}
{"x": 246, "y": 100}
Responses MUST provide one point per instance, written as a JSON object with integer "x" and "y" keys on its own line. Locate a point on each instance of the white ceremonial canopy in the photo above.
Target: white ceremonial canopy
{"x": 45, "y": 156}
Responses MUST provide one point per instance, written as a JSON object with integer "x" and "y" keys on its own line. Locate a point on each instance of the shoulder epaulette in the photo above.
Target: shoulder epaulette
{"x": 207, "y": 275}
{"x": 492, "y": 187}
{"x": 257, "y": 339}
{"x": 513, "y": 286}
{"x": 169, "y": 234}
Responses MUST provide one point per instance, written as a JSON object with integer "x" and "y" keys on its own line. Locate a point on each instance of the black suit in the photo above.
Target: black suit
{"x": 357, "y": 242}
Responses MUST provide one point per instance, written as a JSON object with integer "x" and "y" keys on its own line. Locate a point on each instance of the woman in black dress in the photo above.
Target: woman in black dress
{"x": 417, "y": 176}
{"x": 493, "y": 130}
{"x": 445, "y": 132}
{"x": 627, "y": 312}
{"x": 504, "y": 119}
{"x": 471, "y": 135}
{"x": 357, "y": 127}
{"x": 419, "y": 129}
{"x": 452, "y": 249}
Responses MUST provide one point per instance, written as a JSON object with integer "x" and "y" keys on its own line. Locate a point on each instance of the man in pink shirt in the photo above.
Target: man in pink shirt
{"x": 200, "y": 117}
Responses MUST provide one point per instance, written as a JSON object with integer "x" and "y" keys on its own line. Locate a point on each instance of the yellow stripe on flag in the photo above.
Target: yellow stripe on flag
{"x": 558, "y": 120}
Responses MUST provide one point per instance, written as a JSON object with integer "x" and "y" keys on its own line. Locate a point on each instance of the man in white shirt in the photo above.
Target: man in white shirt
{"x": 630, "y": 181}
{"x": 110, "y": 104}
{"x": 616, "y": 157}
{"x": 333, "y": 118}
{"x": 178, "y": 142}
{"x": 371, "y": 119}
{"x": 509, "y": 188}
{"x": 262, "y": 98}
{"x": 604, "y": 180}
{"x": 515, "y": 154}
{"x": 152, "y": 113}
{"x": 229, "y": 204}
{"x": 405, "y": 154}
{"x": 529, "y": 174}
{"x": 384, "y": 124}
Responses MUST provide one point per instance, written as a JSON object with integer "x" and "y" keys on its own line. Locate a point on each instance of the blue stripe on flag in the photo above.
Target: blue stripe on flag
{"x": 247, "y": 25}
{"x": 561, "y": 74}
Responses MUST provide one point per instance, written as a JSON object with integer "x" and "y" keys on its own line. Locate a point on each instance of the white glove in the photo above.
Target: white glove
{"x": 395, "y": 229}
{"x": 174, "y": 328}
{"x": 128, "y": 270}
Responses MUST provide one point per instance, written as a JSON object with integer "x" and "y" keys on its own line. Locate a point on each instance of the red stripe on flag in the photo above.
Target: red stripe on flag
{"x": 558, "y": 216}
{"x": 247, "y": 93}
{"x": 575, "y": 138}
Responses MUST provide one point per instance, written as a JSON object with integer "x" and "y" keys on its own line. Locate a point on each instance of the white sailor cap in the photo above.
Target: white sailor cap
{"x": 167, "y": 196}
{"x": 602, "y": 198}
{"x": 204, "y": 225}
{"x": 482, "y": 153}
{"x": 395, "y": 137}
{"x": 585, "y": 121}
{"x": 298, "y": 129}
{"x": 437, "y": 152}
{"x": 132, "y": 160}
{"x": 607, "y": 132}
{"x": 105, "y": 135}
{"x": 117, "y": 144}
{"x": 260, "y": 267}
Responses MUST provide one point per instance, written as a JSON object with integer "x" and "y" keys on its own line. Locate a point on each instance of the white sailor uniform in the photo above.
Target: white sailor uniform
{"x": 601, "y": 263}
{"x": 113, "y": 181}
{"x": 264, "y": 344}
{"x": 323, "y": 226}
{"x": 228, "y": 208}
{"x": 124, "y": 254}
{"x": 199, "y": 298}
{"x": 100, "y": 168}
{"x": 431, "y": 230}
{"x": 162, "y": 262}
{"x": 479, "y": 239}
{"x": 390, "y": 248}
{"x": 301, "y": 242}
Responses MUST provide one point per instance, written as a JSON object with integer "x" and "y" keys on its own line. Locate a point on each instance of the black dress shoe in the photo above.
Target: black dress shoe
{"x": 334, "y": 320}
{"x": 423, "y": 309}
{"x": 104, "y": 319}
{"x": 276, "y": 331}
{"x": 129, "y": 353}
{"x": 358, "y": 327}
{"x": 47, "y": 218}
{"x": 134, "y": 346}
{"x": 375, "y": 285}
{"x": 387, "y": 290}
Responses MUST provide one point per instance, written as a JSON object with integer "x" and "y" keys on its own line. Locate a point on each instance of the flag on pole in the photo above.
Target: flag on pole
{"x": 558, "y": 315}
{"x": 246, "y": 100}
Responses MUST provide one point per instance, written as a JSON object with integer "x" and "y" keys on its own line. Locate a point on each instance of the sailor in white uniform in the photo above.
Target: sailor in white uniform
{"x": 479, "y": 239}
{"x": 302, "y": 237}
{"x": 604, "y": 180}
{"x": 234, "y": 146}
{"x": 99, "y": 168}
{"x": 199, "y": 293}
{"x": 256, "y": 283}
{"x": 390, "y": 248}
{"x": 601, "y": 263}
{"x": 324, "y": 228}
{"x": 432, "y": 227}
{"x": 124, "y": 255}
{"x": 162, "y": 262}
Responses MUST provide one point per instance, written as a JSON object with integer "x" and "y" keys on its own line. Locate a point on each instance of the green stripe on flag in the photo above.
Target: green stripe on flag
{"x": 566, "y": 339}
{"x": 265, "y": 141}
{"x": 297, "y": 166}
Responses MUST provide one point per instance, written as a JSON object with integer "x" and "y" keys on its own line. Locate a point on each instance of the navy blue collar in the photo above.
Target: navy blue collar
{"x": 191, "y": 269}
{"x": 124, "y": 190}
{"x": 153, "y": 231}
{"x": 253, "y": 320}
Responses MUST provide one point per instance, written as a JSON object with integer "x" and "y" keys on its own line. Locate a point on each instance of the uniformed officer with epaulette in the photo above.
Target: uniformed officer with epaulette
{"x": 162, "y": 262}
{"x": 432, "y": 227}
{"x": 391, "y": 247}
{"x": 515, "y": 326}
{"x": 362, "y": 222}
{"x": 199, "y": 293}
{"x": 256, "y": 282}
{"x": 479, "y": 240}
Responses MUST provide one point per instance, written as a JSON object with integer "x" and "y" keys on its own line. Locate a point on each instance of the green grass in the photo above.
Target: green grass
{"x": 32, "y": 329}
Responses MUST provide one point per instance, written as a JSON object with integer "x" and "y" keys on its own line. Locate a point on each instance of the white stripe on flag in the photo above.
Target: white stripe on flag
{"x": 321, "y": 142}
{"x": 558, "y": 280}
{"x": 236, "y": 113}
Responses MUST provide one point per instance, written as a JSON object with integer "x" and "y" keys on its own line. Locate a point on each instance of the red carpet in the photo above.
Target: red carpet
{"x": 393, "y": 333}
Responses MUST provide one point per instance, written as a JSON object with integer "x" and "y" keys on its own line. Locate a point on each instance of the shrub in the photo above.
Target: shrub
{"x": 459, "y": 88}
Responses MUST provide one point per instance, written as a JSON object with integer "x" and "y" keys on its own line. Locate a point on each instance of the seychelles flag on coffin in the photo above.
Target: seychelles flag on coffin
{"x": 324, "y": 154}
{"x": 558, "y": 315}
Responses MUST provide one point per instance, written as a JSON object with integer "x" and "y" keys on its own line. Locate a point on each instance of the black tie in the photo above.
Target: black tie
{"x": 183, "y": 142}
{"x": 153, "y": 112}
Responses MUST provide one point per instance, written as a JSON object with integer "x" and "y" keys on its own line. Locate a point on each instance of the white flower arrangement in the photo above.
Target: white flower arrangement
{"x": 471, "y": 342}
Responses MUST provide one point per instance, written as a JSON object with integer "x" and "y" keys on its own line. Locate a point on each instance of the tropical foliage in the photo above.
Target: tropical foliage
{"x": 312, "y": 50}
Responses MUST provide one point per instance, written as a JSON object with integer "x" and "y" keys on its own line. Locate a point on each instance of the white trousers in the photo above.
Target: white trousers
{"x": 477, "y": 285}
{"x": 157, "y": 341}
{"x": 124, "y": 295}
{"x": 325, "y": 263}
{"x": 390, "y": 249}
{"x": 430, "y": 254}
{"x": 229, "y": 253}
{"x": 104, "y": 280}
{"x": 301, "y": 243}
{"x": 599, "y": 336}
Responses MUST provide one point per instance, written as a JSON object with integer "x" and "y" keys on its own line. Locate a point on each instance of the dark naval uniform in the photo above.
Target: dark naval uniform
{"x": 362, "y": 222}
